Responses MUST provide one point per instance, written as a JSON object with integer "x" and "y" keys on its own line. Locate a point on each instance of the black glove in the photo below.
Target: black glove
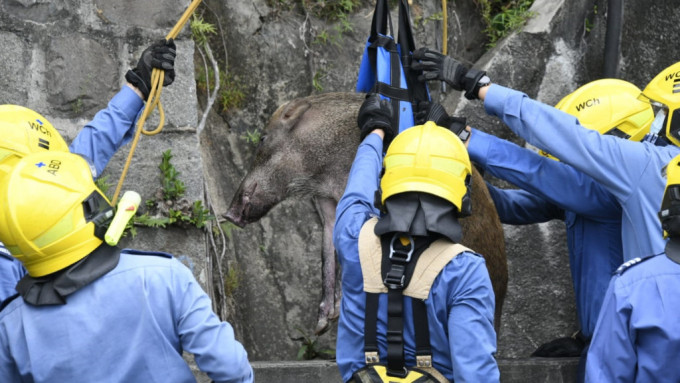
{"x": 376, "y": 114}
{"x": 160, "y": 55}
{"x": 435, "y": 112}
{"x": 436, "y": 66}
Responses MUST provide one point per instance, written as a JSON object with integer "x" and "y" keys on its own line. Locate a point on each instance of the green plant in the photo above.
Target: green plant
{"x": 419, "y": 21}
{"x": 322, "y": 38}
{"x": 503, "y": 17}
{"x": 103, "y": 184}
{"x": 200, "y": 30}
{"x": 330, "y": 10}
{"x": 231, "y": 92}
{"x": 172, "y": 208}
{"x": 252, "y": 137}
{"x": 77, "y": 105}
{"x": 227, "y": 227}
{"x": 173, "y": 188}
{"x": 316, "y": 81}
{"x": 309, "y": 348}
{"x": 231, "y": 281}
{"x": 199, "y": 214}
{"x": 588, "y": 26}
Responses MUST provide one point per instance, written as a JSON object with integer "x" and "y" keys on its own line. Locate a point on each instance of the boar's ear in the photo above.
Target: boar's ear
{"x": 293, "y": 111}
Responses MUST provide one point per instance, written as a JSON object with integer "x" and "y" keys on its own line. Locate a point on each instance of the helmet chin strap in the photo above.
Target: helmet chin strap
{"x": 673, "y": 249}
{"x": 420, "y": 214}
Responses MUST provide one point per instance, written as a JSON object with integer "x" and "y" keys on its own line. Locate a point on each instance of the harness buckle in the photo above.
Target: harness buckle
{"x": 405, "y": 256}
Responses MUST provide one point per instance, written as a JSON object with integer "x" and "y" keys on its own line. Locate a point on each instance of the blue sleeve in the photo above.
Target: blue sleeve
{"x": 110, "y": 129}
{"x": 553, "y": 181}
{"x": 356, "y": 205}
{"x": 215, "y": 348}
{"x": 615, "y": 163}
{"x": 612, "y": 356}
{"x": 519, "y": 207}
{"x": 9, "y": 371}
{"x": 472, "y": 338}
{"x": 11, "y": 271}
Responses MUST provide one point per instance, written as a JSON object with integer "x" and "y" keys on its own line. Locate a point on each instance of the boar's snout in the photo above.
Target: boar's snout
{"x": 241, "y": 205}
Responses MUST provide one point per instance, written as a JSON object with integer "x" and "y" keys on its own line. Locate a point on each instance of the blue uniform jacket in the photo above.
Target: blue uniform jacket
{"x": 11, "y": 271}
{"x": 130, "y": 325}
{"x": 99, "y": 140}
{"x": 554, "y": 190}
{"x": 637, "y": 338}
{"x": 460, "y": 305}
{"x": 631, "y": 171}
{"x": 110, "y": 129}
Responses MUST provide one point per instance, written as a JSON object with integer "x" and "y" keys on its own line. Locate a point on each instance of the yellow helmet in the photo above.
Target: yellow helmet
{"x": 609, "y": 106}
{"x": 664, "y": 89}
{"x": 24, "y": 131}
{"x": 429, "y": 159}
{"x": 51, "y": 213}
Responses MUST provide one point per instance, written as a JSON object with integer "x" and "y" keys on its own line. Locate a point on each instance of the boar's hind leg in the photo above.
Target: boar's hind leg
{"x": 327, "y": 310}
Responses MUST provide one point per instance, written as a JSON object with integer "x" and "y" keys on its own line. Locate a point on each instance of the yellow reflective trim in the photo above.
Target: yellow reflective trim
{"x": 397, "y": 160}
{"x": 58, "y": 231}
{"x": 411, "y": 377}
{"x": 4, "y": 154}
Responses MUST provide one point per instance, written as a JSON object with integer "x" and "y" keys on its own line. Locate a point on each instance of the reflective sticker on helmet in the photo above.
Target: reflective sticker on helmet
{"x": 44, "y": 144}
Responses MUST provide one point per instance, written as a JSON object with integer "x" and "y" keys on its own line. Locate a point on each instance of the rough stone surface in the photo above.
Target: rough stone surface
{"x": 66, "y": 58}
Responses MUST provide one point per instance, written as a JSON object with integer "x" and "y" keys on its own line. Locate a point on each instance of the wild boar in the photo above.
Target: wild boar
{"x": 308, "y": 148}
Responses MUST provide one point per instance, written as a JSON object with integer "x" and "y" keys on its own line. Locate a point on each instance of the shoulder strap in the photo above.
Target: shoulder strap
{"x": 370, "y": 258}
{"x": 430, "y": 263}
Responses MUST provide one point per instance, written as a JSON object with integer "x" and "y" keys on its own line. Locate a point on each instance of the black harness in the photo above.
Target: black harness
{"x": 398, "y": 263}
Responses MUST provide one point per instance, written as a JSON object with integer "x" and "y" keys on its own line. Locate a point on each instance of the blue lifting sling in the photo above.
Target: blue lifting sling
{"x": 386, "y": 65}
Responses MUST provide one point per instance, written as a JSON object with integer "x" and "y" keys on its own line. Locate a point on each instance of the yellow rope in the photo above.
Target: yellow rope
{"x": 157, "y": 77}
{"x": 445, "y": 27}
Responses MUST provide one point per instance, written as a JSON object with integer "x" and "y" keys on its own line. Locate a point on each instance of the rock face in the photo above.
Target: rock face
{"x": 66, "y": 58}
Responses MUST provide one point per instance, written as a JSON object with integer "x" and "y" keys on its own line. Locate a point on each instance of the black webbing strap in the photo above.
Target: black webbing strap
{"x": 371, "y": 323}
{"x": 399, "y": 258}
{"x": 417, "y": 89}
{"x": 395, "y": 333}
{"x": 381, "y": 19}
{"x": 420, "y": 327}
{"x": 395, "y": 79}
{"x": 392, "y": 92}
